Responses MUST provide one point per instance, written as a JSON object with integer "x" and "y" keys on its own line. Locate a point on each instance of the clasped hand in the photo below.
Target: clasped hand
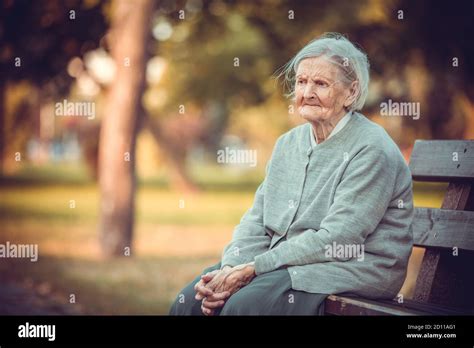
{"x": 217, "y": 286}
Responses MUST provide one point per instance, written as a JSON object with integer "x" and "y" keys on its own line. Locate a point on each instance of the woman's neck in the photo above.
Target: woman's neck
{"x": 322, "y": 129}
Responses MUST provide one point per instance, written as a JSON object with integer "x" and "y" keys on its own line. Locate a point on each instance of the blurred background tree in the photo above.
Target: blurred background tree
{"x": 37, "y": 41}
{"x": 129, "y": 36}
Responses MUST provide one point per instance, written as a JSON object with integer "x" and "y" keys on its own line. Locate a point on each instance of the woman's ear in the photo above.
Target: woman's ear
{"x": 353, "y": 92}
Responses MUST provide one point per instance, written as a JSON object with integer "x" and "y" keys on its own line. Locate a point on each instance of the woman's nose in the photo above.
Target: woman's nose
{"x": 309, "y": 91}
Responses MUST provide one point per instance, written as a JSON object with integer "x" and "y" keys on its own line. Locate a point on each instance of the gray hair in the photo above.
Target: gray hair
{"x": 351, "y": 61}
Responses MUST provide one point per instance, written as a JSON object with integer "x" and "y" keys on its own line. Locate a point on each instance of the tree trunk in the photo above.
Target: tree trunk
{"x": 130, "y": 30}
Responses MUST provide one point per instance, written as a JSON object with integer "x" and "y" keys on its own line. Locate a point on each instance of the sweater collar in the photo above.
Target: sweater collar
{"x": 342, "y": 122}
{"x": 305, "y": 143}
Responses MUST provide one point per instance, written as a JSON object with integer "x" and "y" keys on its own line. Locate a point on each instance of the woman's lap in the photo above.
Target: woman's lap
{"x": 266, "y": 294}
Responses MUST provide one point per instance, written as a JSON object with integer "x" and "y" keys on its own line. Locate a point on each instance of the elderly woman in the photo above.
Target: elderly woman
{"x": 334, "y": 213}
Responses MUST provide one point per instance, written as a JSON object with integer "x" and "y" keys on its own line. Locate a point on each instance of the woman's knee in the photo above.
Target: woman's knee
{"x": 242, "y": 303}
{"x": 260, "y": 296}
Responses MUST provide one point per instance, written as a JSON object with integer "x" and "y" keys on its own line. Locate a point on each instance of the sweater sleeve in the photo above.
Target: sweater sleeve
{"x": 360, "y": 201}
{"x": 249, "y": 238}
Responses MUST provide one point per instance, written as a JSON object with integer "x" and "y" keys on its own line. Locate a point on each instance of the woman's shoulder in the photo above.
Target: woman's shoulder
{"x": 375, "y": 142}
{"x": 371, "y": 134}
{"x": 296, "y": 137}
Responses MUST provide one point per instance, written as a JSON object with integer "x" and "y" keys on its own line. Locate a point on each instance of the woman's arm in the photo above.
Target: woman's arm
{"x": 249, "y": 238}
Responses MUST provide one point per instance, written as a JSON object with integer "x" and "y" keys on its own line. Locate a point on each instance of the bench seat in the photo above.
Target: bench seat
{"x": 341, "y": 305}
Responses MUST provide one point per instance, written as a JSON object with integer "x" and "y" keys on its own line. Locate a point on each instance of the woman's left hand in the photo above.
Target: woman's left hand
{"x": 232, "y": 280}
{"x": 229, "y": 281}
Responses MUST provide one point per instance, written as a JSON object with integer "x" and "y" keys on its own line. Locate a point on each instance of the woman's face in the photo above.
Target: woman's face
{"x": 319, "y": 93}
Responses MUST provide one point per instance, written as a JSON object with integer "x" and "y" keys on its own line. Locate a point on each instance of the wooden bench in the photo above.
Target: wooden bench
{"x": 445, "y": 282}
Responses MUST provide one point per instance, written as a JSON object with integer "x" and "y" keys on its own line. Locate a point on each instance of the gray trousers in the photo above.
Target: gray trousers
{"x": 267, "y": 294}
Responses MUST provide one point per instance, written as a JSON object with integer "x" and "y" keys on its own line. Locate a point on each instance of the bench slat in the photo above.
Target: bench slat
{"x": 443, "y": 228}
{"x": 442, "y": 160}
{"x": 339, "y": 305}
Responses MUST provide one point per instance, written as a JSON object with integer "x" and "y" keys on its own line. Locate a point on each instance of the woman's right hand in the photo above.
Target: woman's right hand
{"x": 200, "y": 287}
{"x": 210, "y": 300}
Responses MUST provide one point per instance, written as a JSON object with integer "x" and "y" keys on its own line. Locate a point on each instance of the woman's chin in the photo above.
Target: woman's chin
{"x": 311, "y": 117}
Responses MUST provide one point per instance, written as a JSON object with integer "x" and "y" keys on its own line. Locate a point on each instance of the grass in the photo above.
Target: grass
{"x": 172, "y": 245}
{"x": 154, "y": 205}
{"x": 141, "y": 285}
{"x": 165, "y": 258}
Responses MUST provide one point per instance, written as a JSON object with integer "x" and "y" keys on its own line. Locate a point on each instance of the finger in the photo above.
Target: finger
{"x": 199, "y": 296}
{"x": 198, "y": 284}
{"x": 206, "y": 311}
{"x": 209, "y": 275}
{"x": 212, "y": 304}
{"x": 218, "y": 296}
{"x": 203, "y": 290}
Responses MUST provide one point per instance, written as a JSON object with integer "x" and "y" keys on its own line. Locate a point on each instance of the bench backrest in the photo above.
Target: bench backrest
{"x": 447, "y": 271}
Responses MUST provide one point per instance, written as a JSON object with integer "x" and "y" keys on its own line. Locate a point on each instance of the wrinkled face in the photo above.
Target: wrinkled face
{"x": 319, "y": 93}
